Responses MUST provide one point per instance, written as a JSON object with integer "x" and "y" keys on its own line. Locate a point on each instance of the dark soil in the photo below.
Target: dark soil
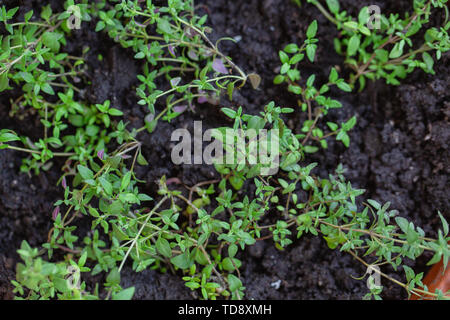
{"x": 399, "y": 149}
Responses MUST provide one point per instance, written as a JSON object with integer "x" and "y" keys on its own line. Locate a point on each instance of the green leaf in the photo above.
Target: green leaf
{"x": 46, "y": 12}
{"x": 291, "y": 48}
{"x": 26, "y": 76}
{"x": 285, "y": 68}
{"x": 141, "y": 159}
{"x": 256, "y": 122}
{"x": 312, "y": 30}
{"x": 333, "y": 5}
{"x": 284, "y": 58}
{"x": 125, "y": 181}
{"x": 278, "y": 79}
{"x": 402, "y": 223}
{"x": 7, "y": 136}
{"x": 85, "y": 173}
{"x": 92, "y": 130}
{"x": 311, "y": 149}
{"x": 364, "y": 30}
{"x": 333, "y": 75}
{"x": 234, "y": 283}
{"x": 353, "y": 45}
{"x": 374, "y": 204}
{"x": 11, "y": 13}
{"x": 100, "y": 26}
{"x": 413, "y": 29}
{"x": 397, "y": 51}
{"x": 192, "y": 285}
{"x": 349, "y": 124}
{"x": 163, "y": 247}
{"x": 50, "y": 40}
{"x": 4, "y": 81}
{"x": 115, "y": 208}
{"x": 82, "y": 260}
{"x": 333, "y": 126}
{"x": 164, "y": 26}
{"x": 126, "y": 294}
{"x": 311, "y": 52}
{"x": 310, "y": 181}
{"x": 230, "y": 89}
{"x": 310, "y": 81}
{"x": 94, "y": 212}
{"x": 409, "y": 273}
{"x": 444, "y": 224}
{"x": 227, "y": 264}
{"x": 144, "y": 197}
{"x": 229, "y": 112}
{"x": 296, "y": 58}
{"x": 343, "y": 136}
{"x": 151, "y": 125}
{"x": 107, "y": 186}
{"x": 182, "y": 261}
{"x": 113, "y": 277}
{"x": 332, "y": 241}
{"x": 28, "y": 15}
{"x": 429, "y": 62}
{"x": 47, "y": 89}
{"x": 115, "y": 112}
{"x": 351, "y": 25}
{"x": 363, "y": 16}
{"x": 283, "y": 183}
{"x": 236, "y": 182}
{"x": 139, "y": 55}
{"x": 344, "y": 86}
{"x": 435, "y": 259}
{"x": 295, "y": 89}
{"x": 232, "y": 250}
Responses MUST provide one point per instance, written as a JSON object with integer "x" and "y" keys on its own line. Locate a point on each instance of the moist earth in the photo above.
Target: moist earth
{"x": 399, "y": 148}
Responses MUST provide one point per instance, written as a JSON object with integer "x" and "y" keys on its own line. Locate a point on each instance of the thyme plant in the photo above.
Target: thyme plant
{"x": 390, "y": 50}
{"x": 200, "y": 231}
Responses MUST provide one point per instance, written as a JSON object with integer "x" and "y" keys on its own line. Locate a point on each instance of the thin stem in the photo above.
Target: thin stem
{"x": 231, "y": 63}
{"x": 372, "y": 234}
{"x": 56, "y": 154}
{"x": 423, "y": 48}
{"x": 63, "y": 85}
{"x": 71, "y": 73}
{"x": 30, "y": 23}
{"x": 413, "y": 291}
{"x": 46, "y": 117}
{"x": 311, "y": 128}
{"x": 136, "y": 238}
{"x": 325, "y": 13}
